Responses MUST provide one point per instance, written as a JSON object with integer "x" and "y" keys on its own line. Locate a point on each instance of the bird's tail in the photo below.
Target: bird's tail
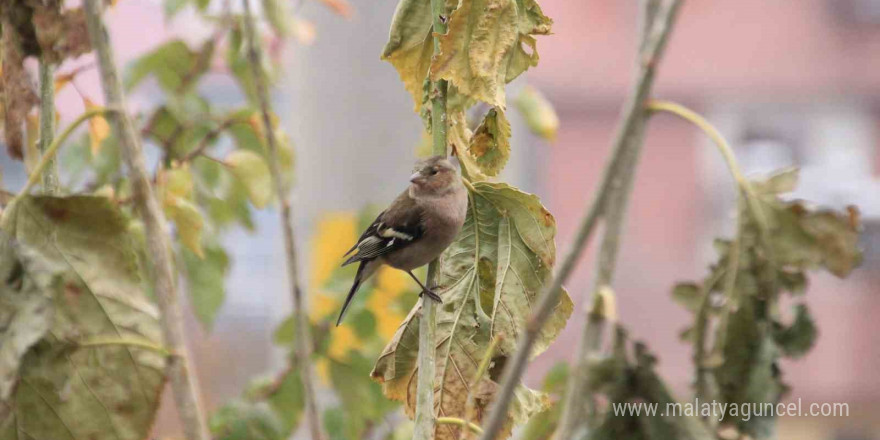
{"x": 365, "y": 270}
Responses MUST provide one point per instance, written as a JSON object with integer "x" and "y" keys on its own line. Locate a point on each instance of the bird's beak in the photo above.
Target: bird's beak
{"x": 416, "y": 178}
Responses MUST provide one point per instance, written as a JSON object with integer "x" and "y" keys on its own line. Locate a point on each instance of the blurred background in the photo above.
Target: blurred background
{"x": 789, "y": 83}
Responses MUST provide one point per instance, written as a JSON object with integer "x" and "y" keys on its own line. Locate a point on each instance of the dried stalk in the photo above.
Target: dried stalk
{"x": 302, "y": 348}
{"x": 611, "y": 178}
{"x": 183, "y": 384}
{"x": 656, "y": 23}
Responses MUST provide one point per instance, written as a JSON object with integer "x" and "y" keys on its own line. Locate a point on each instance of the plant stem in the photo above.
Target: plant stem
{"x": 424, "y": 411}
{"x": 478, "y": 376}
{"x": 47, "y": 126}
{"x": 146, "y": 345}
{"x": 53, "y": 148}
{"x": 656, "y": 24}
{"x": 456, "y": 421}
{"x": 610, "y": 179}
{"x": 183, "y": 383}
{"x": 302, "y": 348}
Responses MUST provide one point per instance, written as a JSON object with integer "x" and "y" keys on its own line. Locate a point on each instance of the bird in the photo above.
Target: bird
{"x": 415, "y": 229}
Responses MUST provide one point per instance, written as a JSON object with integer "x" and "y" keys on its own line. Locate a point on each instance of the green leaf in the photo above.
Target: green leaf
{"x": 539, "y": 114}
{"x": 206, "y": 281}
{"x": 67, "y": 390}
{"x": 798, "y": 338}
{"x": 490, "y": 144}
{"x": 489, "y": 279}
{"x": 284, "y": 395}
{"x": 175, "y": 66}
{"x": 278, "y": 15}
{"x": 240, "y": 420}
{"x": 254, "y": 174}
{"x": 634, "y": 379}
{"x": 189, "y": 221}
{"x": 688, "y": 295}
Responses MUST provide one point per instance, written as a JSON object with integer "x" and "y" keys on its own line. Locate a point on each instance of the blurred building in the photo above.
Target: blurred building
{"x": 787, "y": 82}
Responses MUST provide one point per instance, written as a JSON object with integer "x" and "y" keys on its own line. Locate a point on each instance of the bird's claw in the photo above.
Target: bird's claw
{"x": 432, "y": 295}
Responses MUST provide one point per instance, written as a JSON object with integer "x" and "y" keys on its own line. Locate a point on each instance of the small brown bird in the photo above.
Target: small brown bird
{"x": 418, "y": 226}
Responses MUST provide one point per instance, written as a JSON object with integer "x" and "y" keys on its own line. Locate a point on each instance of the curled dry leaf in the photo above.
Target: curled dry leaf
{"x": 19, "y": 95}
{"x": 99, "y": 129}
{"x": 490, "y": 144}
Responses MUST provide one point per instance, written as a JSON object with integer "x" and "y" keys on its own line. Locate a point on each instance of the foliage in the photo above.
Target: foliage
{"x": 82, "y": 329}
{"x": 777, "y": 242}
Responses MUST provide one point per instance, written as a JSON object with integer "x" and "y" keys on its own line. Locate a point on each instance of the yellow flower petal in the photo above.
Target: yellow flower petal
{"x": 323, "y": 305}
{"x": 388, "y": 322}
{"x": 393, "y": 281}
{"x": 344, "y": 339}
{"x": 322, "y": 367}
{"x": 335, "y": 233}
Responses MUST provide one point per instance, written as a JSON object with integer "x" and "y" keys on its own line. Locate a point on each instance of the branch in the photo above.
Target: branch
{"x": 656, "y": 24}
{"x": 478, "y": 376}
{"x": 47, "y": 125}
{"x": 183, "y": 383}
{"x": 610, "y": 180}
{"x": 302, "y": 350}
{"x": 424, "y": 413}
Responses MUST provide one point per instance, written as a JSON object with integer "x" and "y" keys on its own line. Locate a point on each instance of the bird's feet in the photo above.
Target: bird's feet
{"x": 432, "y": 295}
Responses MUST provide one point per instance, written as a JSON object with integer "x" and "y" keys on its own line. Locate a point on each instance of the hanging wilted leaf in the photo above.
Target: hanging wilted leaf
{"x": 29, "y": 285}
{"x": 490, "y": 144}
{"x": 189, "y": 221}
{"x": 67, "y": 387}
{"x": 62, "y": 34}
{"x": 99, "y": 129}
{"x": 252, "y": 171}
{"x": 627, "y": 380}
{"x": 175, "y": 66}
{"x": 459, "y": 138}
{"x": 798, "y": 338}
{"x": 17, "y": 89}
{"x": 539, "y": 114}
{"x": 410, "y": 45}
{"x": 206, "y": 281}
{"x": 489, "y": 278}
{"x": 484, "y": 47}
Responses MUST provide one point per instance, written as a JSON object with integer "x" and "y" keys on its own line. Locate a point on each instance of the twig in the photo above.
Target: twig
{"x": 550, "y": 295}
{"x": 478, "y": 376}
{"x": 47, "y": 125}
{"x": 183, "y": 383}
{"x": 302, "y": 350}
{"x": 656, "y": 23}
{"x": 211, "y": 136}
{"x": 424, "y": 412}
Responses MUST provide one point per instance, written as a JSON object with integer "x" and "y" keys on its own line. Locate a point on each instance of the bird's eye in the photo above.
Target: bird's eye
{"x": 433, "y": 171}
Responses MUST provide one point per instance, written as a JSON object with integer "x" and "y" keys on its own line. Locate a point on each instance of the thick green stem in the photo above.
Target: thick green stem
{"x": 184, "y": 384}
{"x": 302, "y": 347}
{"x": 47, "y": 126}
{"x": 424, "y": 417}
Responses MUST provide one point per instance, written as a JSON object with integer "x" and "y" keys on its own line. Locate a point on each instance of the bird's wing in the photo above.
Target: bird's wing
{"x": 397, "y": 227}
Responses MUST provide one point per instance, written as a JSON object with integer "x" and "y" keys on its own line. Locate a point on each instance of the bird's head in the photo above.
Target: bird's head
{"x": 435, "y": 175}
